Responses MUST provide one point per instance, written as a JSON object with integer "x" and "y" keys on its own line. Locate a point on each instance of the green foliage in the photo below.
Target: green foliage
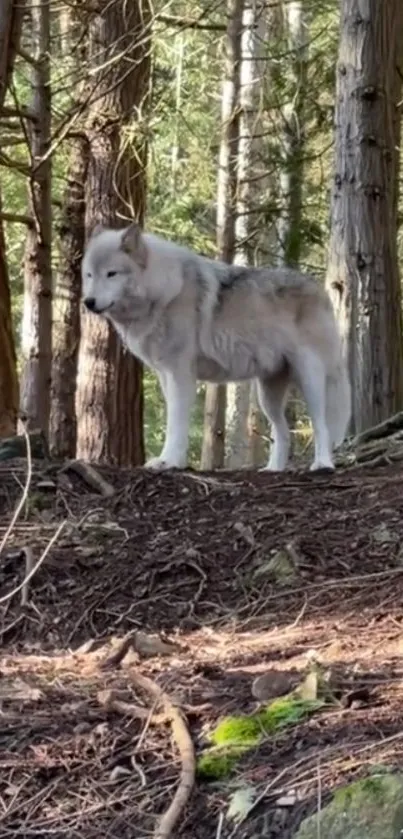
{"x": 236, "y": 735}
{"x": 184, "y": 135}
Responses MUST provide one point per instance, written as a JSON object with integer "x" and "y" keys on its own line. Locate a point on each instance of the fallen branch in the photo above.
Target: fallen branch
{"x": 379, "y": 445}
{"x": 383, "y": 429}
{"x": 184, "y": 742}
{"x": 90, "y": 476}
{"x": 144, "y": 644}
{"x": 111, "y": 702}
{"x": 170, "y": 714}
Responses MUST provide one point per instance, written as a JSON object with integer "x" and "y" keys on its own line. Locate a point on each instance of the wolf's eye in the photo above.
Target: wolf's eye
{"x": 111, "y": 274}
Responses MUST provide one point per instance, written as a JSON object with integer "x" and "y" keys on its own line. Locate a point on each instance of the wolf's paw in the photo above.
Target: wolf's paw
{"x": 323, "y": 465}
{"x": 162, "y": 464}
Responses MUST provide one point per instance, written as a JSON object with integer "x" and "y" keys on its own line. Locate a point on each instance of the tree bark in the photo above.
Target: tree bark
{"x": 10, "y": 34}
{"x": 244, "y": 421}
{"x": 109, "y": 389}
{"x": 292, "y": 153}
{"x": 213, "y": 435}
{"x": 363, "y": 276}
{"x": 66, "y": 318}
{"x": 9, "y": 391}
{"x": 37, "y": 314}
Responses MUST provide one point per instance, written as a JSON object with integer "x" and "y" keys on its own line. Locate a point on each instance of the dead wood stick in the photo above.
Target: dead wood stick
{"x": 119, "y": 653}
{"x": 111, "y": 702}
{"x": 90, "y": 476}
{"x": 383, "y": 429}
{"x": 183, "y": 740}
{"x": 171, "y": 714}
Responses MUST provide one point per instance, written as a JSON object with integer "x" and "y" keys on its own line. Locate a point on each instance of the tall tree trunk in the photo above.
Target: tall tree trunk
{"x": 66, "y": 319}
{"x": 10, "y": 33}
{"x": 109, "y": 388}
{"x": 243, "y": 420}
{"x": 292, "y": 153}
{"x": 214, "y": 415}
{"x": 293, "y": 137}
{"x": 363, "y": 275}
{"x": 9, "y": 392}
{"x": 37, "y": 315}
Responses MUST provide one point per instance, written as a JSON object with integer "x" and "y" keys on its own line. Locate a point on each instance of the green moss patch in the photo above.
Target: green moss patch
{"x": 236, "y": 735}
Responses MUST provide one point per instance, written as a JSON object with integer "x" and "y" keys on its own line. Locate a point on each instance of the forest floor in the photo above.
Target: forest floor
{"x": 219, "y": 579}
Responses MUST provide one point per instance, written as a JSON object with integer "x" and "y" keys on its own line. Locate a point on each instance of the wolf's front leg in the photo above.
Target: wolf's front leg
{"x": 179, "y": 389}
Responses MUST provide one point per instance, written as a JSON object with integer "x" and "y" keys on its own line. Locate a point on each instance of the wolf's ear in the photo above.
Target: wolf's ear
{"x": 133, "y": 244}
{"x": 96, "y": 230}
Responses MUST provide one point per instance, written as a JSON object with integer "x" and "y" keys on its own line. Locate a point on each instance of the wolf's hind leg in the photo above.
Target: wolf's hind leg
{"x": 311, "y": 376}
{"x": 272, "y": 393}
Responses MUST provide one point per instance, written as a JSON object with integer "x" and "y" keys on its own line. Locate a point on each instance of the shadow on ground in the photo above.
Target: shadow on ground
{"x": 243, "y": 573}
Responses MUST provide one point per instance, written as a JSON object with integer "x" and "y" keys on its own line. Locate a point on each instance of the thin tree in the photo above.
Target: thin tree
{"x": 243, "y": 418}
{"x": 71, "y": 240}
{"x": 213, "y": 447}
{"x": 109, "y": 390}
{"x": 363, "y": 274}
{"x": 10, "y": 33}
{"x": 37, "y": 314}
{"x": 291, "y": 176}
{"x": 66, "y": 321}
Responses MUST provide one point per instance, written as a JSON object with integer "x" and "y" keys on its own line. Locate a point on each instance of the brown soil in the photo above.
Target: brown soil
{"x": 186, "y": 556}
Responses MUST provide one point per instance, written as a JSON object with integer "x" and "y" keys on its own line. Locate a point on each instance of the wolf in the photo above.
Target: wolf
{"x": 192, "y": 318}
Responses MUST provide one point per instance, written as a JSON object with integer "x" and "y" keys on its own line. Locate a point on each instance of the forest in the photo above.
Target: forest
{"x": 207, "y": 125}
{"x": 214, "y": 652}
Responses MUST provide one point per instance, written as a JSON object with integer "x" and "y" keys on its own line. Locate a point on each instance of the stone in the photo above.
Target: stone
{"x": 368, "y": 809}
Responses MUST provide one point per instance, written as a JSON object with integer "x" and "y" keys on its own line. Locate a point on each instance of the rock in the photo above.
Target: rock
{"x": 367, "y": 809}
{"x": 274, "y": 683}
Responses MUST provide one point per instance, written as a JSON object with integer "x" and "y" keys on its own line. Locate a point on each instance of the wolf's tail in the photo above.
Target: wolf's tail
{"x": 338, "y": 401}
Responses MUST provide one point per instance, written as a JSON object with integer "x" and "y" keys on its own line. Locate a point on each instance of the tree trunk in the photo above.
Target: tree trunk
{"x": 213, "y": 435}
{"x": 244, "y": 420}
{"x": 10, "y": 33}
{"x": 66, "y": 319}
{"x": 9, "y": 392}
{"x": 109, "y": 389}
{"x": 292, "y": 153}
{"x": 11, "y": 17}
{"x": 37, "y": 315}
{"x": 363, "y": 276}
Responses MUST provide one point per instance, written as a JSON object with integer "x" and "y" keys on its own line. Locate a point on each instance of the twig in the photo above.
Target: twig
{"x": 25, "y": 491}
{"x": 111, "y": 702}
{"x": 29, "y": 564}
{"x": 219, "y": 825}
{"x": 117, "y": 656}
{"x": 90, "y": 476}
{"x": 319, "y": 807}
{"x": 33, "y": 570}
{"x": 184, "y": 742}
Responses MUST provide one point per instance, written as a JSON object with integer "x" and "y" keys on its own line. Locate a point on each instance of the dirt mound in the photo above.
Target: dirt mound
{"x": 218, "y": 578}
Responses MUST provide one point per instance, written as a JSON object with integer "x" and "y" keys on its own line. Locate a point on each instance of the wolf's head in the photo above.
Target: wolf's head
{"x": 113, "y": 268}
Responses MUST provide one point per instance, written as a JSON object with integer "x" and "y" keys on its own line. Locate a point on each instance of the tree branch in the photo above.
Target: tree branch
{"x": 189, "y": 23}
{"x": 17, "y": 218}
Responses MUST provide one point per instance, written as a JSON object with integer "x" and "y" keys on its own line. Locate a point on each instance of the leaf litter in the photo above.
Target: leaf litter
{"x": 171, "y": 578}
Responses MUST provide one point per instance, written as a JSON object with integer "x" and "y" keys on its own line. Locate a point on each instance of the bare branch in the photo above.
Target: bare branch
{"x": 17, "y": 218}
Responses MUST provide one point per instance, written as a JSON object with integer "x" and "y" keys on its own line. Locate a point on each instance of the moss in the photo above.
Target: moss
{"x": 214, "y": 765}
{"x": 372, "y": 786}
{"x": 235, "y": 735}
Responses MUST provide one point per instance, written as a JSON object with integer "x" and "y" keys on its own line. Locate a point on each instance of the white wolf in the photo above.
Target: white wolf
{"x": 189, "y": 317}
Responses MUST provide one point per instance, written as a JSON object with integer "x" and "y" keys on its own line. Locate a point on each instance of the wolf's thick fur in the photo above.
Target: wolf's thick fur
{"x": 189, "y": 318}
